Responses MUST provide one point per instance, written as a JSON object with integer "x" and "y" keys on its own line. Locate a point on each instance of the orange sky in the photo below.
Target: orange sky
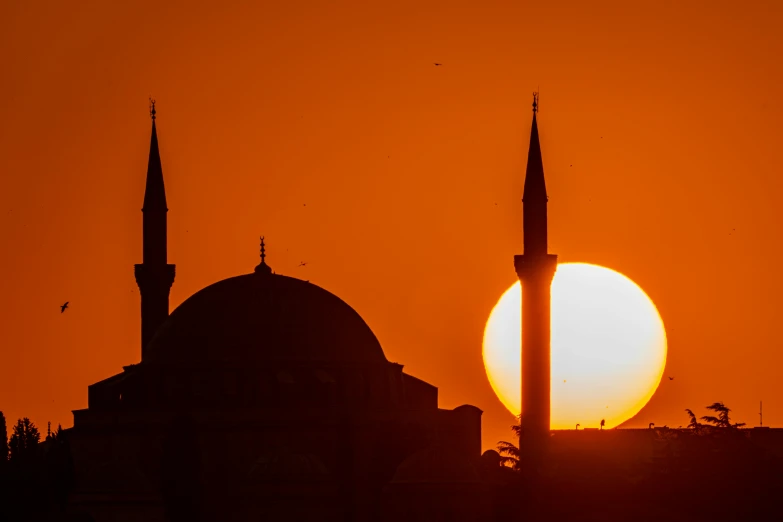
{"x": 659, "y": 128}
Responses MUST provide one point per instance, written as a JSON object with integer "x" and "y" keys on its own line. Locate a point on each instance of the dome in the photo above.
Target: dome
{"x": 262, "y": 319}
{"x": 283, "y": 465}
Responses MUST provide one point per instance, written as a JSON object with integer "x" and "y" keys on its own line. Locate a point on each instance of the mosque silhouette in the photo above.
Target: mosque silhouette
{"x": 265, "y": 397}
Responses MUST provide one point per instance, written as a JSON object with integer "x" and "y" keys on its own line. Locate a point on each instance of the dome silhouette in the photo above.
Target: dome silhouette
{"x": 264, "y": 319}
{"x": 284, "y": 465}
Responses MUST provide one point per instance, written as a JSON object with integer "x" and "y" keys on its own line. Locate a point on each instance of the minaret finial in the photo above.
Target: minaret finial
{"x": 152, "y": 108}
{"x": 262, "y": 267}
{"x": 535, "y": 102}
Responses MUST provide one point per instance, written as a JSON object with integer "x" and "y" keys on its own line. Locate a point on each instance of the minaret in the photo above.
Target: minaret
{"x": 535, "y": 269}
{"x": 154, "y": 275}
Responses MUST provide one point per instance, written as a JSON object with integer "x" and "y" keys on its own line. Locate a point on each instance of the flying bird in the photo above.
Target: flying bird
{"x": 671, "y": 378}
{"x": 438, "y": 64}
{"x": 63, "y": 307}
{"x": 302, "y": 264}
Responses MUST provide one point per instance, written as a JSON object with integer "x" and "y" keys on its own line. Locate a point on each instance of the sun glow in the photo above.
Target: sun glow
{"x": 608, "y": 347}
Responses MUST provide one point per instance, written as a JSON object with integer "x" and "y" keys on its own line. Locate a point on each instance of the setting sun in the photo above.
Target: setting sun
{"x": 608, "y": 347}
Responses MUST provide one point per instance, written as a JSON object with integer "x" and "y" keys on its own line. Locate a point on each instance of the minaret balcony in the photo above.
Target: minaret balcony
{"x": 535, "y": 266}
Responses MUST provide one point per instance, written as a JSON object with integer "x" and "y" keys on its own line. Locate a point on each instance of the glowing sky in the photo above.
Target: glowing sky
{"x": 660, "y": 131}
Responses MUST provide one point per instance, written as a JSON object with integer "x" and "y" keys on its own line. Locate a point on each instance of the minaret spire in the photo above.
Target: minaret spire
{"x": 534, "y": 197}
{"x": 262, "y": 267}
{"x": 535, "y": 270}
{"x": 155, "y": 191}
{"x": 154, "y": 275}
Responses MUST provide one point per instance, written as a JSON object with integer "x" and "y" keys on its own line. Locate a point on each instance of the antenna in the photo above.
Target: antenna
{"x": 761, "y": 419}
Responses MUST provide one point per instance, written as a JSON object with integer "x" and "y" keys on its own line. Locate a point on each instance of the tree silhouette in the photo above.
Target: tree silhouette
{"x": 3, "y": 440}
{"x": 509, "y": 452}
{"x": 57, "y": 434}
{"x": 23, "y": 444}
{"x": 722, "y": 420}
{"x": 694, "y": 423}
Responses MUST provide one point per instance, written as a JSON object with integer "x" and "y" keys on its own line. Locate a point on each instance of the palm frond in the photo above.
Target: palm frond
{"x": 507, "y": 448}
{"x": 509, "y": 454}
{"x": 517, "y": 428}
{"x": 509, "y": 462}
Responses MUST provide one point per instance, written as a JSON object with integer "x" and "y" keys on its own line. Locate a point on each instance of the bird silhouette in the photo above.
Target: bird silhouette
{"x": 302, "y": 264}
{"x": 438, "y": 64}
{"x": 671, "y": 378}
{"x": 63, "y": 307}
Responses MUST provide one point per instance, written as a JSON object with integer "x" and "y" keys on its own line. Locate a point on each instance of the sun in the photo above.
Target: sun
{"x": 608, "y": 347}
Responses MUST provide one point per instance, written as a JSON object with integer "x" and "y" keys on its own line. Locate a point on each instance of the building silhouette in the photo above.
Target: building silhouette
{"x": 535, "y": 269}
{"x": 265, "y": 397}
